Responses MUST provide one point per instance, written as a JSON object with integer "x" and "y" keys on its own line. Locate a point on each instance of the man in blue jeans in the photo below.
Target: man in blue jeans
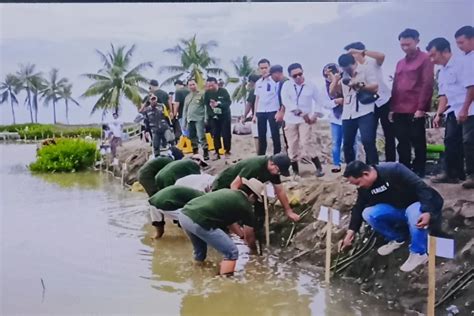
{"x": 397, "y": 204}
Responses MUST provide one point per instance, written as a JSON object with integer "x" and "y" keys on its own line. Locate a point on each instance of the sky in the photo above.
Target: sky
{"x": 65, "y": 36}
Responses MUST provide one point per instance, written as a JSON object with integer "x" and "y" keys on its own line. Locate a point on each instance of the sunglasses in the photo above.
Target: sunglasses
{"x": 297, "y": 75}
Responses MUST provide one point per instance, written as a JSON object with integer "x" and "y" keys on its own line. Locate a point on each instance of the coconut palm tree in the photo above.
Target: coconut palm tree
{"x": 32, "y": 83}
{"x": 8, "y": 90}
{"x": 116, "y": 80}
{"x": 243, "y": 69}
{"x": 66, "y": 95}
{"x": 52, "y": 91}
{"x": 195, "y": 61}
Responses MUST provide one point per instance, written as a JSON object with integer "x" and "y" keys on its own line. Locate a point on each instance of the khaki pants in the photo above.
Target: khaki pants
{"x": 301, "y": 141}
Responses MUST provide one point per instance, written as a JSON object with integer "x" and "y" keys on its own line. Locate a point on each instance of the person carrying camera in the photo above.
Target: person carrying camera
{"x": 158, "y": 123}
{"x": 359, "y": 88}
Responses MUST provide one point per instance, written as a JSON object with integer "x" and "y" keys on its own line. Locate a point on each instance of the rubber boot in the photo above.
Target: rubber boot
{"x": 206, "y": 154}
{"x": 319, "y": 168}
{"x": 295, "y": 167}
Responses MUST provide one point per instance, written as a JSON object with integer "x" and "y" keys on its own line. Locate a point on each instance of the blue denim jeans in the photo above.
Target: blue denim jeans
{"x": 201, "y": 237}
{"x": 366, "y": 125}
{"x": 336, "y": 136}
{"x": 394, "y": 224}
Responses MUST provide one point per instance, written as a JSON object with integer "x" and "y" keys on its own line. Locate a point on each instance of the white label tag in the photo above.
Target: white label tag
{"x": 323, "y": 214}
{"x": 444, "y": 247}
{"x": 270, "y": 191}
{"x": 336, "y": 217}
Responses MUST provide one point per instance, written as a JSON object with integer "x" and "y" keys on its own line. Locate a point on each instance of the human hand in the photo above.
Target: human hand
{"x": 254, "y": 119}
{"x": 353, "y": 51}
{"x": 213, "y": 103}
{"x": 347, "y": 241}
{"x": 339, "y": 101}
{"x": 419, "y": 114}
{"x": 462, "y": 115}
{"x": 279, "y": 116}
{"x": 437, "y": 121}
{"x": 390, "y": 117}
{"x": 423, "y": 220}
{"x": 292, "y": 215}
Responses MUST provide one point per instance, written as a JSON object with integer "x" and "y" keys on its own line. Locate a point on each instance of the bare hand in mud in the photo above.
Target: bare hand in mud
{"x": 293, "y": 216}
{"x": 423, "y": 220}
{"x": 346, "y": 243}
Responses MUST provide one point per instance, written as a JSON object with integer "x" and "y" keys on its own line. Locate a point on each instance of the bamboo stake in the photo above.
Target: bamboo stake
{"x": 431, "y": 275}
{"x": 267, "y": 217}
{"x": 327, "y": 272}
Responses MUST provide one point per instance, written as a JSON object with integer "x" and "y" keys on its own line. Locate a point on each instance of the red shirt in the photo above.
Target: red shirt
{"x": 413, "y": 84}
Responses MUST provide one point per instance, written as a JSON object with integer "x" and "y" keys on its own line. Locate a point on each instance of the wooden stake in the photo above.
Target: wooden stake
{"x": 267, "y": 217}
{"x": 327, "y": 270}
{"x": 431, "y": 275}
{"x": 124, "y": 167}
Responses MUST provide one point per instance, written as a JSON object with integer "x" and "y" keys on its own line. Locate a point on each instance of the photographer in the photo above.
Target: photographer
{"x": 359, "y": 88}
{"x": 158, "y": 123}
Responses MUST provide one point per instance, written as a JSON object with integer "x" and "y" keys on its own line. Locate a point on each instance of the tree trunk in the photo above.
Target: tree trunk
{"x": 67, "y": 112}
{"x": 35, "y": 102}
{"x": 13, "y": 110}
{"x": 29, "y": 104}
{"x": 54, "y": 112}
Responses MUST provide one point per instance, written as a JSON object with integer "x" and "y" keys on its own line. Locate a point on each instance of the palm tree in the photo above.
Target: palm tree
{"x": 52, "y": 92}
{"x": 8, "y": 90}
{"x": 195, "y": 61}
{"x": 66, "y": 95}
{"x": 31, "y": 82}
{"x": 243, "y": 68}
{"x": 115, "y": 80}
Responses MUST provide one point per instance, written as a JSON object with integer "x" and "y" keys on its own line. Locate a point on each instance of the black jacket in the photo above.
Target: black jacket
{"x": 398, "y": 186}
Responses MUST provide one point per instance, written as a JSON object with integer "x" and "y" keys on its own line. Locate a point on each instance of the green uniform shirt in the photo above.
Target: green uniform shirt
{"x": 147, "y": 173}
{"x": 194, "y": 109}
{"x": 255, "y": 167}
{"x": 179, "y": 97}
{"x": 174, "y": 171}
{"x": 222, "y": 96}
{"x": 173, "y": 197}
{"x": 220, "y": 209}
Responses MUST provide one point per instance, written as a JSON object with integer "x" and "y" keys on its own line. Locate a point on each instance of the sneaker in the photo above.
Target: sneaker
{"x": 389, "y": 248}
{"x": 414, "y": 260}
{"x": 336, "y": 169}
{"x": 469, "y": 183}
{"x": 444, "y": 178}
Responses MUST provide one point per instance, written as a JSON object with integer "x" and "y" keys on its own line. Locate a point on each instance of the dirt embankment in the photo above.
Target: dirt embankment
{"x": 376, "y": 275}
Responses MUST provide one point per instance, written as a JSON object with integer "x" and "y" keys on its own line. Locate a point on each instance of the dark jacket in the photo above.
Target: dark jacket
{"x": 398, "y": 186}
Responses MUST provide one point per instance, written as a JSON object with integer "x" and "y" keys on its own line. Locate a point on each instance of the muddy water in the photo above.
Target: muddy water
{"x": 77, "y": 244}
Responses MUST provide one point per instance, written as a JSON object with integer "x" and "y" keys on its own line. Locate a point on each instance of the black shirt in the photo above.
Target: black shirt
{"x": 179, "y": 97}
{"x": 400, "y": 187}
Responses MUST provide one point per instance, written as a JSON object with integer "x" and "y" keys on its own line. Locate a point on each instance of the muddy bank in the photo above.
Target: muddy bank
{"x": 375, "y": 275}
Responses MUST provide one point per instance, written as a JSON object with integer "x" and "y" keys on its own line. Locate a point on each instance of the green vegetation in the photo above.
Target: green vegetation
{"x": 67, "y": 155}
{"x": 43, "y": 131}
{"x": 243, "y": 68}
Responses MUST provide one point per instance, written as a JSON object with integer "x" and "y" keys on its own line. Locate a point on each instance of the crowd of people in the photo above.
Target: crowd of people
{"x": 392, "y": 197}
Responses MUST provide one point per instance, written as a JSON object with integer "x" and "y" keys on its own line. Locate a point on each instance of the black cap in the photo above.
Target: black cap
{"x": 276, "y": 68}
{"x": 175, "y": 153}
{"x": 283, "y": 162}
{"x": 154, "y": 83}
{"x": 254, "y": 78}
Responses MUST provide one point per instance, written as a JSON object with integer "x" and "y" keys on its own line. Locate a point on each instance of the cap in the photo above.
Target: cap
{"x": 283, "y": 162}
{"x": 175, "y": 153}
{"x": 154, "y": 83}
{"x": 276, "y": 68}
{"x": 201, "y": 160}
{"x": 256, "y": 186}
{"x": 254, "y": 78}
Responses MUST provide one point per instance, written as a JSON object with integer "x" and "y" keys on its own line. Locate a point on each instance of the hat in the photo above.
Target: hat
{"x": 276, "y": 68}
{"x": 283, "y": 162}
{"x": 256, "y": 186}
{"x": 175, "y": 154}
{"x": 154, "y": 83}
{"x": 201, "y": 160}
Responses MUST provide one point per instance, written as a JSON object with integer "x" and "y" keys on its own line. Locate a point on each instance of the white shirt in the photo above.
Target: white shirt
{"x": 363, "y": 74}
{"x": 304, "y": 97}
{"x": 201, "y": 182}
{"x": 267, "y": 92}
{"x": 453, "y": 79}
{"x": 116, "y": 128}
{"x": 383, "y": 91}
{"x": 329, "y": 105}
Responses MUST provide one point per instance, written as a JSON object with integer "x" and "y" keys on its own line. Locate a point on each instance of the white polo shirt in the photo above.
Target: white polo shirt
{"x": 201, "y": 182}
{"x": 453, "y": 79}
{"x": 304, "y": 97}
{"x": 384, "y": 91}
{"x": 116, "y": 127}
{"x": 267, "y": 92}
{"x": 364, "y": 74}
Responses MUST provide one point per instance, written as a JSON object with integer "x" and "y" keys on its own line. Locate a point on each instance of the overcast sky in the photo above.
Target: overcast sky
{"x": 66, "y": 36}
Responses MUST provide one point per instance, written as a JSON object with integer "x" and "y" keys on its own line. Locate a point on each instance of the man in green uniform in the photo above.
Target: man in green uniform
{"x": 194, "y": 114}
{"x": 169, "y": 202}
{"x": 178, "y": 169}
{"x": 264, "y": 169}
{"x": 205, "y": 218}
{"x": 217, "y": 102}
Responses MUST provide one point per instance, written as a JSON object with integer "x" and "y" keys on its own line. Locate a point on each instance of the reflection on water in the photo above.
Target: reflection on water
{"x": 89, "y": 241}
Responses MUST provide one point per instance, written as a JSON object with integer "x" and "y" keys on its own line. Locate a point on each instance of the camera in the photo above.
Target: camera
{"x": 346, "y": 78}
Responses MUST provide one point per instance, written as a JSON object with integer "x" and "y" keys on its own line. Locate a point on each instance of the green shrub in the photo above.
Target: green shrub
{"x": 43, "y": 131}
{"x": 68, "y": 155}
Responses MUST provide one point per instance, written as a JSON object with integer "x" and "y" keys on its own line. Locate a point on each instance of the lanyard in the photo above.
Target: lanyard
{"x": 298, "y": 94}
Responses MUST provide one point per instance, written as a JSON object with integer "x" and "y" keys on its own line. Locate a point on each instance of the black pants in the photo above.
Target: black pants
{"x": 366, "y": 124}
{"x": 454, "y": 153}
{"x": 381, "y": 113}
{"x": 221, "y": 127}
{"x": 411, "y": 132}
{"x": 468, "y": 142}
{"x": 158, "y": 139}
{"x": 262, "y": 119}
